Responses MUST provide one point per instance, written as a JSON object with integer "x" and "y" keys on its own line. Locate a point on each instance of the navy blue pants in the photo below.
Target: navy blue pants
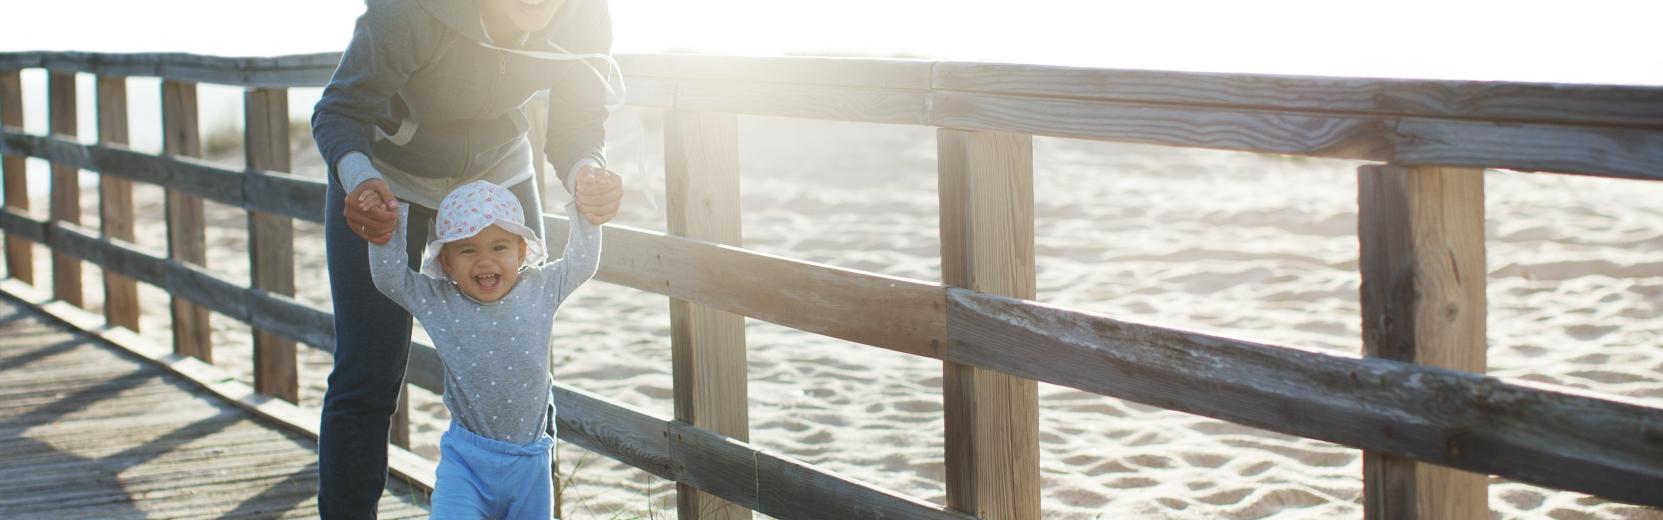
{"x": 372, "y": 346}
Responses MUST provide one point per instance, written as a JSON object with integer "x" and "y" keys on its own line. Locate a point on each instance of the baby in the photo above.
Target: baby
{"x": 488, "y": 301}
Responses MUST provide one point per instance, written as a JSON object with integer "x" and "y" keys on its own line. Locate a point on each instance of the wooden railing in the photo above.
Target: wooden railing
{"x": 1417, "y": 396}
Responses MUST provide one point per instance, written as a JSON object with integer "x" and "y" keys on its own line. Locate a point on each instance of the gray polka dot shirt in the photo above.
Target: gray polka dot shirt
{"x": 496, "y": 354}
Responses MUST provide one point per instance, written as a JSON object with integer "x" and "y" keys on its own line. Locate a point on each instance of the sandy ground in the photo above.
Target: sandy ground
{"x": 1254, "y": 246}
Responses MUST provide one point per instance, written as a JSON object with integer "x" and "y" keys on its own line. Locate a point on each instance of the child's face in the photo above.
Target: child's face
{"x": 484, "y": 266}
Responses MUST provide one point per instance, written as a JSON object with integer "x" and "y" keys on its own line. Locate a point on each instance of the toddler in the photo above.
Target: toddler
{"x": 488, "y": 300}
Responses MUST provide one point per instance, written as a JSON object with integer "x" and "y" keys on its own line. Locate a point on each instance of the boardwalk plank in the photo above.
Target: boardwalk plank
{"x": 87, "y": 432}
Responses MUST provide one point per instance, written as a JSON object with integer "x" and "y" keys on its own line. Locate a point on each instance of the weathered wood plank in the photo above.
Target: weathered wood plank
{"x": 894, "y": 313}
{"x": 19, "y": 253}
{"x": 987, "y": 244}
{"x": 1621, "y": 153}
{"x": 279, "y": 193}
{"x": 22, "y": 226}
{"x": 792, "y": 489}
{"x": 1479, "y": 100}
{"x": 616, "y": 431}
{"x": 707, "y": 346}
{"x": 95, "y": 458}
{"x": 1549, "y": 436}
{"x": 271, "y": 238}
{"x": 208, "y": 378}
{"x": 174, "y": 173}
{"x": 1319, "y": 135}
{"x": 192, "y": 335}
{"x": 1422, "y": 260}
{"x": 66, "y": 184}
{"x": 115, "y": 202}
{"x": 305, "y": 70}
{"x": 293, "y": 319}
{"x": 869, "y": 105}
{"x": 277, "y": 313}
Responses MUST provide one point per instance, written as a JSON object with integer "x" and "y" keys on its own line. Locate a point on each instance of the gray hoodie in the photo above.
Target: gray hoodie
{"x": 422, "y": 62}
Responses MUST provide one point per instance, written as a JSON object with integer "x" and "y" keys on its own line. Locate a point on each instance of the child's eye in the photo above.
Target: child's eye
{"x": 499, "y": 248}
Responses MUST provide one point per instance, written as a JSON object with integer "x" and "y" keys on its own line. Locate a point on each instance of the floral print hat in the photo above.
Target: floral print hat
{"x": 471, "y": 208}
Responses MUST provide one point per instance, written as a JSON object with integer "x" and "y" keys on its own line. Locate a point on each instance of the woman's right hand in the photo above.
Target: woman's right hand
{"x": 371, "y": 211}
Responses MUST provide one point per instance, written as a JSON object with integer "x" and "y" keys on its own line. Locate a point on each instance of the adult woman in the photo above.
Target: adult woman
{"x": 428, "y": 96}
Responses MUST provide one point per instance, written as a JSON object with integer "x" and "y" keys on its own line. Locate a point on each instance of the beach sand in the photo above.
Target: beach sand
{"x": 1246, "y": 245}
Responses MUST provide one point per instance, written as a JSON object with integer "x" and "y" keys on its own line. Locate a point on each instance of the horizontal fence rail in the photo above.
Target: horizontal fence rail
{"x": 1599, "y": 130}
{"x": 1547, "y": 436}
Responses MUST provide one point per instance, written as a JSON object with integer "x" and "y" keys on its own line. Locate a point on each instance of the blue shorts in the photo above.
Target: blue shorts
{"x": 481, "y": 477}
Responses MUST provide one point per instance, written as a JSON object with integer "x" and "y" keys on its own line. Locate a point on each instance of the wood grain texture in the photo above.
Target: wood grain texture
{"x": 987, "y": 237}
{"x": 1318, "y": 135}
{"x": 613, "y": 430}
{"x": 701, "y": 168}
{"x": 894, "y": 313}
{"x": 271, "y": 239}
{"x": 1422, "y": 260}
{"x": 272, "y": 192}
{"x": 115, "y": 202}
{"x": 303, "y": 70}
{"x": 20, "y": 255}
{"x": 1621, "y": 153}
{"x": 274, "y": 312}
{"x": 780, "y": 486}
{"x": 66, "y": 183}
{"x": 192, "y": 335}
{"x": 174, "y": 173}
{"x": 193, "y": 375}
{"x": 1549, "y": 436}
{"x": 1357, "y": 118}
{"x": 1479, "y": 100}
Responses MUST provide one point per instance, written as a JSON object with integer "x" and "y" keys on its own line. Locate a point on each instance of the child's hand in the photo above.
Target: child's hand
{"x": 599, "y": 192}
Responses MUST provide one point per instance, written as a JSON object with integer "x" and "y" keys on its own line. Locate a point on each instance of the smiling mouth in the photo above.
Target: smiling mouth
{"x": 488, "y": 282}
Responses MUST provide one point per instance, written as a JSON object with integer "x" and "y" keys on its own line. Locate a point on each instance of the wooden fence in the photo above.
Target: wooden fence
{"x": 1417, "y": 401}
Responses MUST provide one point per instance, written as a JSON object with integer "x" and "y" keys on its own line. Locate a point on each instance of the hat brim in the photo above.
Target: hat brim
{"x": 535, "y": 251}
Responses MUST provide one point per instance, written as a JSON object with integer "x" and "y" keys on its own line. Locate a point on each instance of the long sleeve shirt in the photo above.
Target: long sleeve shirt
{"x": 496, "y": 354}
{"x": 421, "y": 90}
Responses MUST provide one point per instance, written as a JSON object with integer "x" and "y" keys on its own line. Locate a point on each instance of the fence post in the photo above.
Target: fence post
{"x": 707, "y": 346}
{"x": 65, "y": 203}
{"x": 185, "y": 240}
{"x": 115, "y": 202}
{"x": 987, "y": 244}
{"x": 1422, "y": 236}
{"x": 20, "y": 253}
{"x": 270, "y": 237}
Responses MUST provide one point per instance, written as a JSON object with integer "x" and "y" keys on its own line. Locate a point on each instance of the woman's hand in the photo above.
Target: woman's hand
{"x": 599, "y": 193}
{"x": 371, "y": 211}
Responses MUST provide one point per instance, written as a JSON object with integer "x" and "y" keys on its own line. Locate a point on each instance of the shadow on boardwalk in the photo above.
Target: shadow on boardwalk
{"x": 86, "y": 432}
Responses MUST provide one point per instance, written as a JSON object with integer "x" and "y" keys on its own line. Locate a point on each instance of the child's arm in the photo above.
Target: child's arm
{"x": 390, "y": 271}
{"x": 581, "y": 258}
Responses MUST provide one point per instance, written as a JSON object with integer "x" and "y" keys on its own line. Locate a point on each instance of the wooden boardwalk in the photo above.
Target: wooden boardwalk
{"x": 89, "y": 432}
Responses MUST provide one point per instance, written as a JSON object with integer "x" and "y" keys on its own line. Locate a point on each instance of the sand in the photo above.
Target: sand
{"x": 1248, "y": 245}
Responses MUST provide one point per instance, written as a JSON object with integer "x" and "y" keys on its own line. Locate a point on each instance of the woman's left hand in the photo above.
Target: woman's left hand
{"x": 599, "y": 192}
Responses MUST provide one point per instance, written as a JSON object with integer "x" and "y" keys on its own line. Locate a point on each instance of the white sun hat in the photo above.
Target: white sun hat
{"x": 470, "y": 209}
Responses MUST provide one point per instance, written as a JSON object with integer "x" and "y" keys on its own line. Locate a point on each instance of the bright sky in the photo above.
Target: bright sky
{"x": 1604, "y": 41}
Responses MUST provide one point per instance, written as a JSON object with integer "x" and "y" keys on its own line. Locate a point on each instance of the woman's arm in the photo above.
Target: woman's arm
{"x": 391, "y": 41}
{"x": 577, "y": 99}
